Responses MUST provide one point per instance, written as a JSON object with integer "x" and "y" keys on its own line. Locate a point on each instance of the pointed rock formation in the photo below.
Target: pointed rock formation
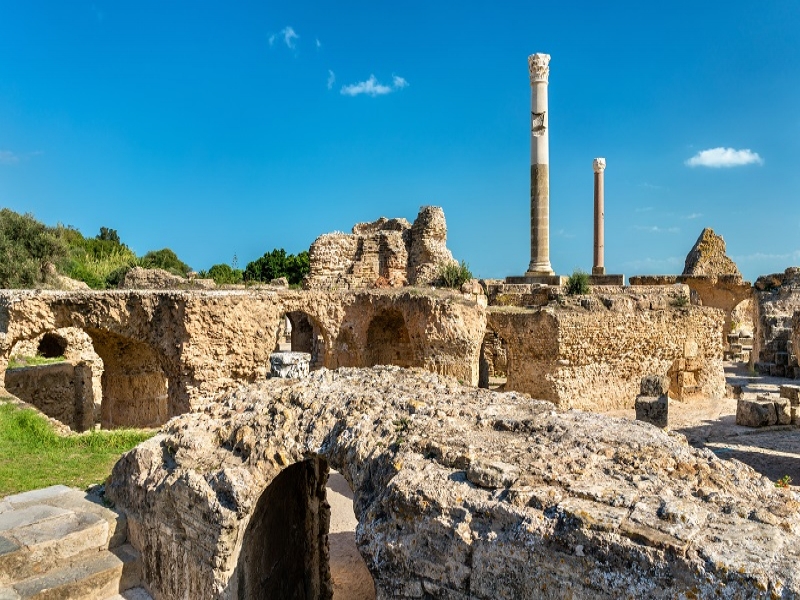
{"x": 707, "y": 257}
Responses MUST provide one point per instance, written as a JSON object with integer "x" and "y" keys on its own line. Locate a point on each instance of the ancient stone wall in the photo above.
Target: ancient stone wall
{"x": 138, "y": 278}
{"x": 163, "y": 352}
{"x": 460, "y": 493}
{"x": 708, "y": 258}
{"x": 776, "y": 299}
{"x": 61, "y": 390}
{"x": 383, "y": 253}
{"x": 593, "y": 358}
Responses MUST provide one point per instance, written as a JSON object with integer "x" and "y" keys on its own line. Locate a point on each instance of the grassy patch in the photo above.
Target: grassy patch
{"x": 33, "y": 456}
{"x": 17, "y": 362}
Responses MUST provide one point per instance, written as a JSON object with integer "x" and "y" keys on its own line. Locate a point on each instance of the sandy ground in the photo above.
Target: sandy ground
{"x": 351, "y": 578}
{"x": 711, "y": 423}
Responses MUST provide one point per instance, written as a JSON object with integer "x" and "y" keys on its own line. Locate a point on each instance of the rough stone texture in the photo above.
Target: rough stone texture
{"x": 654, "y": 386}
{"x": 383, "y": 253}
{"x": 776, "y": 299}
{"x": 602, "y": 508}
{"x": 708, "y": 258}
{"x": 653, "y": 410}
{"x": 756, "y": 413}
{"x": 289, "y": 365}
{"x": 138, "y": 278}
{"x": 163, "y": 352}
{"x": 593, "y": 355}
{"x": 62, "y": 391}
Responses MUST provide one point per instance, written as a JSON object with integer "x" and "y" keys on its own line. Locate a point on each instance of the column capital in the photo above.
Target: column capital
{"x": 599, "y": 165}
{"x": 539, "y": 67}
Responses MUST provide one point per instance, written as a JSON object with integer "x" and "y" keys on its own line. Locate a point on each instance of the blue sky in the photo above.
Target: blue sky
{"x": 233, "y": 128}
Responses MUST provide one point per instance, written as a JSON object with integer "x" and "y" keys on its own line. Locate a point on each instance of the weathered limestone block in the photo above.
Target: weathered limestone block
{"x": 776, "y": 299}
{"x": 383, "y": 253}
{"x": 653, "y": 410}
{"x": 708, "y": 257}
{"x": 289, "y": 365}
{"x": 654, "y": 386}
{"x": 602, "y": 508}
{"x": 595, "y": 358}
{"x": 791, "y": 393}
{"x": 783, "y": 410}
{"x": 756, "y": 413}
{"x": 62, "y": 391}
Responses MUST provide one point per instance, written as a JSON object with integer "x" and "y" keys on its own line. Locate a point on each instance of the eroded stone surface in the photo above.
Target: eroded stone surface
{"x": 602, "y": 507}
{"x": 708, "y": 257}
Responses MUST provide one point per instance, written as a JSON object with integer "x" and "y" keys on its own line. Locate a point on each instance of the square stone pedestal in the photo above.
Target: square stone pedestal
{"x": 538, "y": 279}
{"x": 606, "y": 279}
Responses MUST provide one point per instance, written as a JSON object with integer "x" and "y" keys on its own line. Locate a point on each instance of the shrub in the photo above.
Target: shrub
{"x": 453, "y": 274}
{"x": 165, "y": 259}
{"x": 26, "y": 245}
{"x": 680, "y": 301}
{"x": 578, "y": 283}
{"x": 224, "y": 274}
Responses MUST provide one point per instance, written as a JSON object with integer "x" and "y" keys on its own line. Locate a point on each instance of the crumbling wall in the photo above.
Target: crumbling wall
{"x": 708, "y": 257}
{"x": 594, "y": 357}
{"x": 776, "y": 299}
{"x": 383, "y": 253}
{"x": 138, "y": 278}
{"x": 459, "y": 492}
{"x": 60, "y": 390}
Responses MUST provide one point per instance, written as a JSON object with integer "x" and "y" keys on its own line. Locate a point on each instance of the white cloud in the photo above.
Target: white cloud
{"x": 650, "y": 264}
{"x": 331, "y": 79}
{"x": 693, "y": 216}
{"x": 656, "y": 229}
{"x": 724, "y": 157}
{"x": 758, "y": 256}
{"x": 289, "y": 36}
{"x": 643, "y": 209}
{"x": 7, "y": 157}
{"x": 319, "y": 44}
{"x": 398, "y": 82}
{"x": 373, "y": 88}
{"x": 565, "y": 234}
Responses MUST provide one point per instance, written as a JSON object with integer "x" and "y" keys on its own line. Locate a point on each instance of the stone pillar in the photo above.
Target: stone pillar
{"x": 539, "y": 70}
{"x": 599, "y": 166}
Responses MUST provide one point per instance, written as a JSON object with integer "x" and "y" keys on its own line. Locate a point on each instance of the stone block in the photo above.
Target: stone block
{"x": 781, "y": 358}
{"x": 289, "y": 365}
{"x": 762, "y": 368}
{"x": 756, "y": 413}
{"x": 783, "y": 411}
{"x": 777, "y": 371}
{"x": 654, "y": 386}
{"x": 795, "y": 411}
{"x": 687, "y": 379}
{"x": 791, "y": 393}
{"x": 653, "y": 410}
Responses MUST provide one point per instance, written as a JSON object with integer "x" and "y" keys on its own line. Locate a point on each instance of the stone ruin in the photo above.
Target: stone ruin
{"x": 384, "y": 253}
{"x": 775, "y": 313}
{"x": 459, "y": 493}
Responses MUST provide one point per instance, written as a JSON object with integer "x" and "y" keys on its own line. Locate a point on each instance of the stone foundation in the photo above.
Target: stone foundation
{"x": 777, "y": 298}
{"x": 460, "y": 493}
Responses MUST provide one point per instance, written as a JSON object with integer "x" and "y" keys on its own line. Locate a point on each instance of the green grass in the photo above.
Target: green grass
{"x": 33, "y": 456}
{"x": 17, "y": 362}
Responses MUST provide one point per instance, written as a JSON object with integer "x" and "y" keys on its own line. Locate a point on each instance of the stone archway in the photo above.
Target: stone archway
{"x": 52, "y": 345}
{"x": 494, "y": 362}
{"x": 135, "y": 388}
{"x": 284, "y": 551}
{"x": 388, "y": 342}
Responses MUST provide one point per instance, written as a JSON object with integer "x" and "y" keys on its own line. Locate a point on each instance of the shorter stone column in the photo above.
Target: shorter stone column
{"x": 598, "y": 268}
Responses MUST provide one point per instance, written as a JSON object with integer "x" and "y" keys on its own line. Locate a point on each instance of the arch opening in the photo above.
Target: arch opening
{"x": 494, "y": 362}
{"x": 388, "y": 342}
{"x": 284, "y": 552}
{"x": 51, "y": 345}
{"x": 298, "y": 332}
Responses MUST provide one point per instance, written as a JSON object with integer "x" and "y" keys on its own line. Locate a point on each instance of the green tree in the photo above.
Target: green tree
{"x": 277, "y": 263}
{"x": 223, "y": 274}
{"x": 165, "y": 259}
{"x": 108, "y": 235}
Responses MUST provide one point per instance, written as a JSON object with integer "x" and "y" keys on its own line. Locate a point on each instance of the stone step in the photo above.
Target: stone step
{"x": 91, "y": 576}
{"x": 43, "y": 538}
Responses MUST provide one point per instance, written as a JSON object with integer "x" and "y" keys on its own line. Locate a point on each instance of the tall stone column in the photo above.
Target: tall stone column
{"x": 539, "y": 70}
{"x": 599, "y": 166}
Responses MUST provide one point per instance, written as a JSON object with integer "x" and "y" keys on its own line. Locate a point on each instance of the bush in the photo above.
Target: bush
{"x": 578, "y": 283}
{"x": 100, "y": 262}
{"x": 223, "y": 274}
{"x": 26, "y": 245}
{"x": 276, "y": 264}
{"x": 165, "y": 259}
{"x": 453, "y": 274}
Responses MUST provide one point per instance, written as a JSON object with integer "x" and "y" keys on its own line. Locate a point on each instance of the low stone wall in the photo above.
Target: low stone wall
{"x": 460, "y": 493}
{"x": 594, "y": 358}
{"x": 61, "y": 390}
